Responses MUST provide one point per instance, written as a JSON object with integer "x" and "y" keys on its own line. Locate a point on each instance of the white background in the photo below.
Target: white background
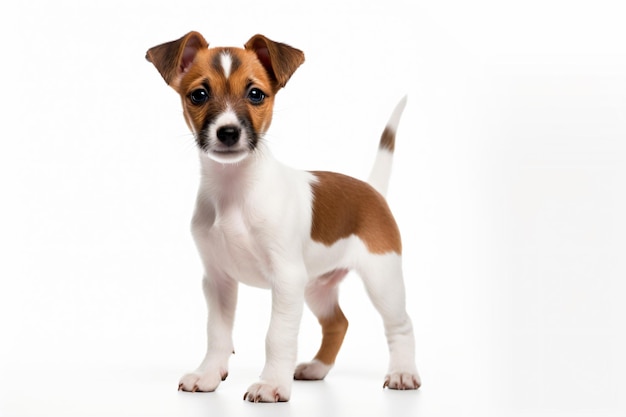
{"x": 509, "y": 187}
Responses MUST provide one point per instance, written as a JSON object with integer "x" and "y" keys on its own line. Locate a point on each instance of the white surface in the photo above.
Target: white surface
{"x": 509, "y": 186}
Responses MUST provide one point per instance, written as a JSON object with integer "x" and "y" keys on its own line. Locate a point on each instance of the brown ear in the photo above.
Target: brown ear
{"x": 280, "y": 60}
{"x": 173, "y": 59}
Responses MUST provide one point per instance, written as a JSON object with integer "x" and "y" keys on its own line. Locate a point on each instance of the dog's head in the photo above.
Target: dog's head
{"x": 227, "y": 93}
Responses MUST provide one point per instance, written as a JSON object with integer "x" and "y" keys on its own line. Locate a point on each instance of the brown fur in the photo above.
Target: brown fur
{"x": 344, "y": 206}
{"x": 388, "y": 140}
{"x": 334, "y": 329}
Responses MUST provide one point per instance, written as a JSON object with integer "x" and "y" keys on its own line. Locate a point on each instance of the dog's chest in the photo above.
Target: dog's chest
{"x": 236, "y": 246}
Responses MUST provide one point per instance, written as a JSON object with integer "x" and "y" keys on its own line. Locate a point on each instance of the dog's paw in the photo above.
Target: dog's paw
{"x": 402, "y": 381}
{"x": 311, "y": 371}
{"x": 201, "y": 382}
{"x": 264, "y": 392}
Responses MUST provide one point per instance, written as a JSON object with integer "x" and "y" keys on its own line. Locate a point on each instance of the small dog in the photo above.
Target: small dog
{"x": 264, "y": 224}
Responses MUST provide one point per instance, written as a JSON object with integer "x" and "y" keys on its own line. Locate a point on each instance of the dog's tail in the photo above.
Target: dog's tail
{"x": 381, "y": 171}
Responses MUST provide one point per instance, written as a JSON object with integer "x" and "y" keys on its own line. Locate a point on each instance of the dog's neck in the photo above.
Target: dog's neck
{"x": 232, "y": 183}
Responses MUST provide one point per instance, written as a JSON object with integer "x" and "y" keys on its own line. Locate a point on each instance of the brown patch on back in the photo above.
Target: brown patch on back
{"x": 344, "y": 206}
{"x": 388, "y": 139}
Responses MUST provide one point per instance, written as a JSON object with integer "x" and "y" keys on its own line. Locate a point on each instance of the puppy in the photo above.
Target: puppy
{"x": 261, "y": 223}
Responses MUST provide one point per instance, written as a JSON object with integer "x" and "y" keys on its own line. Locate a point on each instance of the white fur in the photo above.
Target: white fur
{"x": 252, "y": 225}
{"x": 394, "y": 120}
{"x": 381, "y": 171}
{"x": 227, "y": 61}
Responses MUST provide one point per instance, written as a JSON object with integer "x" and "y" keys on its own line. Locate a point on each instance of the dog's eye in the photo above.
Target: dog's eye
{"x": 199, "y": 96}
{"x": 256, "y": 96}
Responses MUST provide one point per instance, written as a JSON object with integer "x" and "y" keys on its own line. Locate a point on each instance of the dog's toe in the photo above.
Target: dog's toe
{"x": 264, "y": 392}
{"x": 402, "y": 381}
{"x": 204, "y": 382}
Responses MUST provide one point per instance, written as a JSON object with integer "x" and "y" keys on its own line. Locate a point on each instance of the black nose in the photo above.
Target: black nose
{"x": 228, "y": 135}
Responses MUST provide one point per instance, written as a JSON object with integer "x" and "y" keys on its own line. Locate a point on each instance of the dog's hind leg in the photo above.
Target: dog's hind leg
{"x": 322, "y": 298}
{"x": 382, "y": 276}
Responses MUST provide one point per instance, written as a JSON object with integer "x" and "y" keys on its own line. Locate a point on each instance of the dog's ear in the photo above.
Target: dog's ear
{"x": 280, "y": 60}
{"x": 174, "y": 58}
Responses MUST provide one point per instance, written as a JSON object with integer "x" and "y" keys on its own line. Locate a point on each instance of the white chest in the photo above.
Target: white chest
{"x": 251, "y": 219}
{"x": 234, "y": 246}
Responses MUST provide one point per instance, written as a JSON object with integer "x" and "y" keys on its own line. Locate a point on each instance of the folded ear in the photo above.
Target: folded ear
{"x": 173, "y": 59}
{"x": 280, "y": 60}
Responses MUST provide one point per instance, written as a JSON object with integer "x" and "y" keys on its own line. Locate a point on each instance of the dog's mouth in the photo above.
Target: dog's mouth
{"x": 227, "y": 156}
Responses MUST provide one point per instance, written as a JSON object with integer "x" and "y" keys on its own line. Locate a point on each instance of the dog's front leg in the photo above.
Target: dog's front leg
{"x": 221, "y": 296}
{"x": 282, "y": 338}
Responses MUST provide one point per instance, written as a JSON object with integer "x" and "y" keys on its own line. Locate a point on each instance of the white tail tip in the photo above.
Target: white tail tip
{"x": 394, "y": 120}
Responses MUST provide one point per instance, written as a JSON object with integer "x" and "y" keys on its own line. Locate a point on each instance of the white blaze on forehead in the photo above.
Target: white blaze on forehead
{"x": 227, "y": 62}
